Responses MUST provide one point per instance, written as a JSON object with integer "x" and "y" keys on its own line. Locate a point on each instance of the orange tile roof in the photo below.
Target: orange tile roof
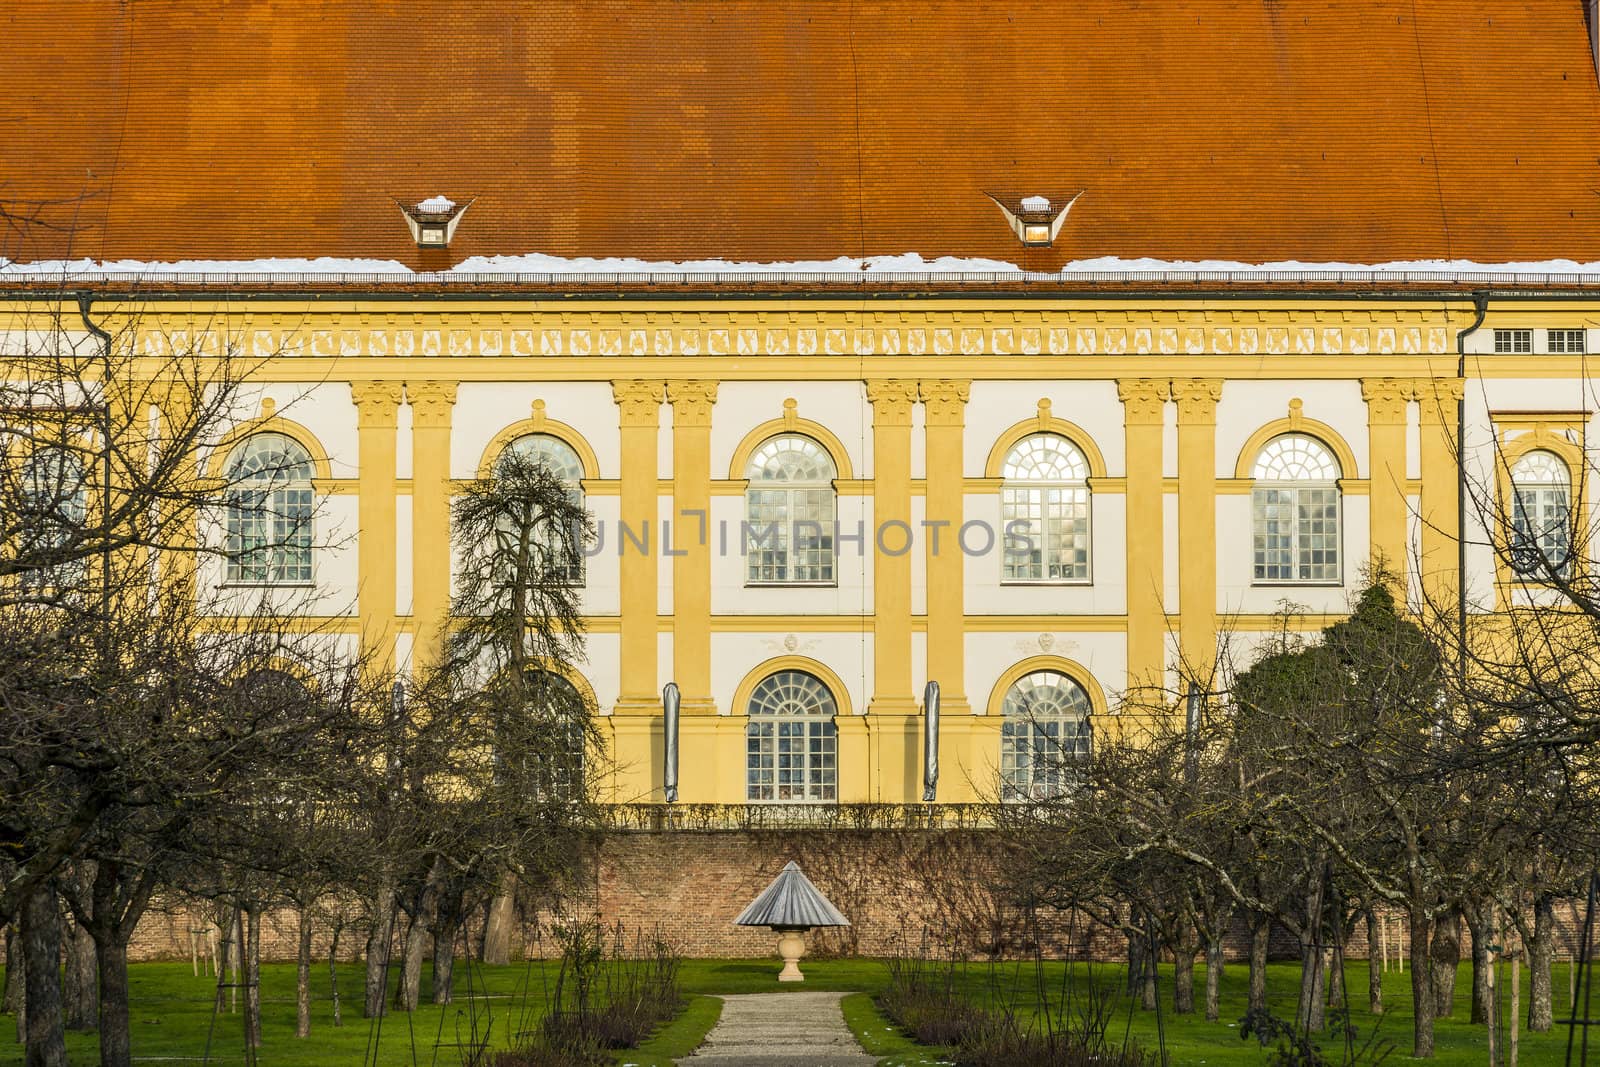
{"x": 1337, "y": 130}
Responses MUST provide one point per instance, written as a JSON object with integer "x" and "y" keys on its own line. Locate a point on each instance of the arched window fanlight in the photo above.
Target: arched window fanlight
{"x": 268, "y": 503}
{"x": 1541, "y": 536}
{"x": 1045, "y": 737}
{"x": 1044, "y": 505}
{"x": 1295, "y": 511}
{"x": 791, "y": 508}
{"x": 563, "y": 555}
{"x": 791, "y": 742}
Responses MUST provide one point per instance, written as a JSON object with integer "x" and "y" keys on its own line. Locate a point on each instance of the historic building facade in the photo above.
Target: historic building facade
{"x": 808, "y": 507}
{"x": 1035, "y": 351}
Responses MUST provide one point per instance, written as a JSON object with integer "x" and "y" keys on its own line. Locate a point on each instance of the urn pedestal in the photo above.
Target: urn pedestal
{"x": 791, "y": 947}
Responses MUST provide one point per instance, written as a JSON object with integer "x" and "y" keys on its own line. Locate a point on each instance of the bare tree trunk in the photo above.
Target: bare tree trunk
{"x": 1334, "y": 958}
{"x": 1309, "y": 1013}
{"x": 1422, "y": 986}
{"x": 444, "y": 959}
{"x": 11, "y": 1004}
{"x": 224, "y": 959}
{"x": 252, "y": 976}
{"x": 82, "y": 986}
{"x": 1446, "y": 959}
{"x": 302, "y": 977}
{"x": 1183, "y": 979}
{"x": 1260, "y": 937}
{"x": 1216, "y": 961}
{"x": 1136, "y": 947}
{"x": 1541, "y": 998}
{"x": 497, "y": 926}
{"x": 409, "y": 993}
{"x": 46, "y": 1043}
{"x": 1480, "y": 928}
{"x": 379, "y": 943}
{"x": 333, "y": 972}
{"x": 116, "y": 1038}
{"x": 1374, "y": 965}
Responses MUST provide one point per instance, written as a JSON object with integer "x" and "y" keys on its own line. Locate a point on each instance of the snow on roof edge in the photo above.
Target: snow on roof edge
{"x": 910, "y": 266}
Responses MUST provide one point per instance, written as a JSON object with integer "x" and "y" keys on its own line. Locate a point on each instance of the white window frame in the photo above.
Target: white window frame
{"x": 1567, "y": 341}
{"x": 1541, "y": 482}
{"x": 1046, "y": 727}
{"x": 791, "y": 734}
{"x": 1289, "y": 483}
{"x": 1516, "y": 342}
{"x": 55, "y": 488}
{"x": 1046, "y": 483}
{"x": 284, "y": 503}
{"x": 562, "y": 460}
{"x": 797, "y": 505}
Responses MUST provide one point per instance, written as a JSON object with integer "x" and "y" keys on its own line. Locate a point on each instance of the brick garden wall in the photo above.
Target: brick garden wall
{"x": 891, "y": 884}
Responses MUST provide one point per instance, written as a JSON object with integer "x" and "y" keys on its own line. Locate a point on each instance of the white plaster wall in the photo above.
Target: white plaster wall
{"x": 848, "y": 653}
{"x": 1248, "y": 405}
{"x": 990, "y": 655}
{"x": 404, "y": 590}
{"x": 1237, "y": 590}
{"x": 601, "y": 566}
{"x": 841, "y": 407}
{"x": 1169, "y": 551}
{"x": 995, "y": 407}
{"x": 405, "y": 451}
{"x": 730, "y": 595}
{"x": 483, "y": 409}
{"x": 1105, "y": 594}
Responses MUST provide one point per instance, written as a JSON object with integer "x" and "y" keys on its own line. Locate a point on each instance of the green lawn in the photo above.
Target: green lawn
{"x": 172, "y": 1015}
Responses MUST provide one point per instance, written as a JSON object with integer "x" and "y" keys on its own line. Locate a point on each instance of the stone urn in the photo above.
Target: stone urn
{"x": 791, "y": 905}
{"x": 791, "y": 947}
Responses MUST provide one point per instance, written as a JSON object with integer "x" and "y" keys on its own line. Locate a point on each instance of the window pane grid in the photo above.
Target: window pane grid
{"x": 1295, "y": 527}
{"x": 791, "y": 743}
{"x": 268, "y": 509}
{"x": 1513, "y": 340}
{"x": 790, "y": 512}
{"x": 1563, "y": 341}
{"x": 561, "y": 557}
{"x": 1045, "y": 511}
{"x": 1045, "y": 737}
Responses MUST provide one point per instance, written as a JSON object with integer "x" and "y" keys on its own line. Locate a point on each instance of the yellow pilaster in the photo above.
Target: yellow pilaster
{"x": 892, "y": 703}
{"x": 1438, "y": 506}
{"x": 377, "y": 407}
{"x": 636, "y": 717}
{"x": 691, "y": 567}
{"x": 698, "y": 753}
{"x": 1387, "y": 400}
{"x": 945, "y": 405}
{"x": 1144, "y": 402}
{"x": 1197, "y": 521}
{"x": 431, "y": 406}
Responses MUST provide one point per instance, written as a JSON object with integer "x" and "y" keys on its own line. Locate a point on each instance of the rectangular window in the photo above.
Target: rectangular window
{"x": 1046, "y": 534}
{"x": 1563, "y": 341}
{"x": 1296, "y": 534}
{"x": 788, "y": 536}
{"x": 1513, "y": 341}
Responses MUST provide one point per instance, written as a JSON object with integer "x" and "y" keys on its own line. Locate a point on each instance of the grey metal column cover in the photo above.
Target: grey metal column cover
{"x": 930, "y": 742}
{"x": 669, "y": 748}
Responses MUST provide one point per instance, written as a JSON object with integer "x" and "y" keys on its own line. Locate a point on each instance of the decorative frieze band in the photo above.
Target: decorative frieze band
{"x": 725, "y": 334}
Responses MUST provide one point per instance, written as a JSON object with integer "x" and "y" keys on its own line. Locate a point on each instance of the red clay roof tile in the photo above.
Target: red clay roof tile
{"x": 1338, "y": 130}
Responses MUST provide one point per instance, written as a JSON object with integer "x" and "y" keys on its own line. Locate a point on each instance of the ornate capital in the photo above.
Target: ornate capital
{"x": 891, "y": 400}
{"x": 1197, "y": 399}
{"x": 1387, "y": 399}
{"x": 640, "y": 402}
{"x": 377, "y": 403}
{"x": 1437, "y": 398}
{"x": 946, "y": 401}
{"x": 1144, "y": 400}
{"x": 691, "y": 402}
{"x": 431, "y": 403}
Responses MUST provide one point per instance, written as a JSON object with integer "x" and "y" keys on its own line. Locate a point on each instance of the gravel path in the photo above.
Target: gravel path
{"x": 781, "y": 1030}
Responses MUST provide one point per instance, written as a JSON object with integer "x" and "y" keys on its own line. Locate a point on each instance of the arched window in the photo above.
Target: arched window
{"x": 1295, "y": 506}
{"x": 791, "y": 743}
{"x": 1045, "y": 511}
{"x": 564, "y": 554}
{"x": 1541, "y": 489}
{"x": 552, "y": 741}
{"x": 55, "y": 500}
{"x": 268, "y": 502}
{"x": 790, "y": 510}
{"x": 1045, "y": 736}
